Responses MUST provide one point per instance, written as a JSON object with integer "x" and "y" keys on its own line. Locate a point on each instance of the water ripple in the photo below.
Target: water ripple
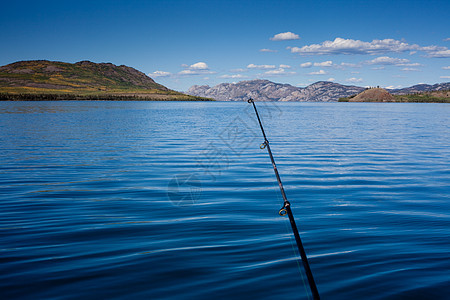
{"x": 90, "y": 207}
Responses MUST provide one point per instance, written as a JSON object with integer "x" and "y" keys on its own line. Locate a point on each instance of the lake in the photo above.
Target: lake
{"x": 175, "y": 200}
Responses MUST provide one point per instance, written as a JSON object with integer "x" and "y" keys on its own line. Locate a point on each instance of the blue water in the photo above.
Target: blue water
{"x": 175, "y": 200}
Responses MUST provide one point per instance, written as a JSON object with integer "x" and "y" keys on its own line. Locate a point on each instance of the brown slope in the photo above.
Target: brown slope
{"x": 373, "y": 95}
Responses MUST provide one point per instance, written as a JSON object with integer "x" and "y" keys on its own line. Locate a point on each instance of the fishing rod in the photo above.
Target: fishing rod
{"x": 286, "y": 210}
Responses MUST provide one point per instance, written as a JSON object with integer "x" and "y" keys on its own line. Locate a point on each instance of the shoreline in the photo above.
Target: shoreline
{"x": 101, "y": 97}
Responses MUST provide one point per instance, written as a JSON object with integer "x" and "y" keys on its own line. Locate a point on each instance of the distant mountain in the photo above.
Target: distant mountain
{"x": 265, "y": 90}
{"x": 84, "y": 80}
{"x": 421, "y": 88}
{"x": 325, "y": 91}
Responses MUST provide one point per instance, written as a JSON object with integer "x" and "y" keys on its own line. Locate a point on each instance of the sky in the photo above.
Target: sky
{"x": 391, "y": 44}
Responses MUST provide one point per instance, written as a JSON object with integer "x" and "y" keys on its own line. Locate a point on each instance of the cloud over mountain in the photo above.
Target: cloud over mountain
{"x": 320, "y": 72}
{"x": 280, "y": 71}
{"x": 160, "y": 74}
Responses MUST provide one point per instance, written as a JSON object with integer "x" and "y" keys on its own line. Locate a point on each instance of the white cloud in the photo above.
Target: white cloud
{"x": 306, "y": 65}
{"x": 159, "y": 74}
{"x": 320, "y": 72}
{"x": 445, "y": 77}
{"x": 268, "y": 50}
{"x": 447, "y": 40}
{"x": 285, "y": 36}
{"x": 331, "y": 79}
{"x": 189, "y": 72}
{"x": 285, "y": 66}
{"x": 411, "y": 65}
{"x": 260, "y": 67}
{"x": 410, "y": 69}
{"x": 378, "y": 68}
{"x": 278, "y": 72}
{"x": 238, "y": 70}
{"x": 392, "y": 87}
{"x": 327, "y": 63}
{"x": 354, "y": 80}
{"x": 354, "y": 72}
{"x": 233, "y": 76}
{"x": 446, "y": 68}
{"x": 436, "y": 51}
{"x": 386, "y": 60}
{"x": 350, "y": 65}
{"x": 199, "y": 66}
{"x": 195, "y": 72}
{"x": 349, "y": 46}
{"x": 440, "y": 53}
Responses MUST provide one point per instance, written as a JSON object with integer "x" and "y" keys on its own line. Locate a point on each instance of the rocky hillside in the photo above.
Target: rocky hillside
{"x": 49, "y": 80}
{"x": 322, "y": 91}
{"x": 325, "y": 91}
{"x": 419, "y": 88}
{"x": 265, "y": 90}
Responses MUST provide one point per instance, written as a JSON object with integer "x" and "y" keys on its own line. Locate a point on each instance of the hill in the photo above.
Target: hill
{"x": 265, "y": 90}
{"x": 321, "y": 91}
{"x": 84, "y": 80}
{"x": 381, "y": 95}
{"x": 372, "y": 95}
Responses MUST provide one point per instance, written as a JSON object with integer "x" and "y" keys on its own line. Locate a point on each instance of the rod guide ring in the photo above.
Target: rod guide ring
{"x": 283, "y": 212}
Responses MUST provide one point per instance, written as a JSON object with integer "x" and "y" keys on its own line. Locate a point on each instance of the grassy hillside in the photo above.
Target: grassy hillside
{"x": 442, "y": 96}
{"x": 372, "y": 95}
{"x": 47, "y": 80}
{"x": 435, "y": 96}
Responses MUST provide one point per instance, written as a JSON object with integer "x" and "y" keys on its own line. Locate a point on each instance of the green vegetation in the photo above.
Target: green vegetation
{"x": 426, "y": 97}
{"x": 46, "y": 80}
{"x": 347, "y": 99}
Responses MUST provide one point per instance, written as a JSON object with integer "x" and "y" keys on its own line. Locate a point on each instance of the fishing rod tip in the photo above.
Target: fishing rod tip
{"x": 250, "y": 100}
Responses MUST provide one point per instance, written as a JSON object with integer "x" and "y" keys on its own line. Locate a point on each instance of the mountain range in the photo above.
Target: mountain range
{"x": 321, "y": 91}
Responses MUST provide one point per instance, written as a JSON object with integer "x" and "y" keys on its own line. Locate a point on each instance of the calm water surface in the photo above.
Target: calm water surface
{"x": 175, "y": 200}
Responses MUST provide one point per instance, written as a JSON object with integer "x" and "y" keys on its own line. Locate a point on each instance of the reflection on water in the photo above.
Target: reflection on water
{"x": 175, "y": 200}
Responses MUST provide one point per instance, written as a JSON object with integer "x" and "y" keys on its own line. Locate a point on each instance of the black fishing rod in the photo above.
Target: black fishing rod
{"x": 286, "y": 209}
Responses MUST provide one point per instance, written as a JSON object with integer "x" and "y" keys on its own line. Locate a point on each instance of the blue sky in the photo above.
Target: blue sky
{"x": 182, "y": 43}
